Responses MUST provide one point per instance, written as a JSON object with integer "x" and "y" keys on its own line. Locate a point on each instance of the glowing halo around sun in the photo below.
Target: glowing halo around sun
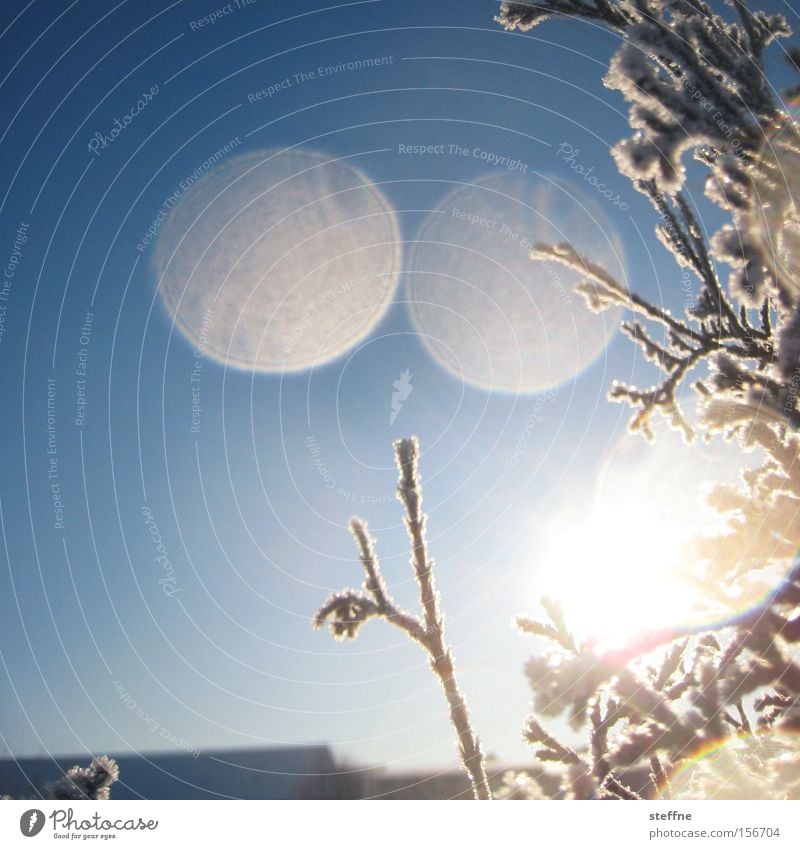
{"x": 488, "y": 313}
{"x": 613, "y": 571}
{"x": 624, "y": 567}
{"x": 634, "y": 569}
{"x": 278, "y": 260}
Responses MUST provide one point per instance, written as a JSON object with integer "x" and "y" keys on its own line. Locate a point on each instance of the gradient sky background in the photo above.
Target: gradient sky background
{"x": 257, "y": 538}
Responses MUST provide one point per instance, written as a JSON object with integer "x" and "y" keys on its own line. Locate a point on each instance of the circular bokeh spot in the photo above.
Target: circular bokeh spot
{"x": 487, "y": 312}
{"x": 278, "y": 260}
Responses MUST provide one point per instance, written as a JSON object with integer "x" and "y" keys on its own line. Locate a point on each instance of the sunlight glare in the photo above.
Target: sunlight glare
{"x": 616, "y": 572}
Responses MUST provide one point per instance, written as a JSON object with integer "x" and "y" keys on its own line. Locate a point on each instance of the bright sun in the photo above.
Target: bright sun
{"x": 615, "y": 572}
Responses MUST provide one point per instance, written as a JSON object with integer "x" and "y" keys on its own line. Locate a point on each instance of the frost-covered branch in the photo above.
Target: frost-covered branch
{"x": 348, "y": 610}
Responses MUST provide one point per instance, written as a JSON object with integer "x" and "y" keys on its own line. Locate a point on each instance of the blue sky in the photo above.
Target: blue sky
{"x": 255, "y": 535}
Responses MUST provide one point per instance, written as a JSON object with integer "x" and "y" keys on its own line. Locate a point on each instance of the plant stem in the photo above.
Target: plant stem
{"x": 410, "y": 494}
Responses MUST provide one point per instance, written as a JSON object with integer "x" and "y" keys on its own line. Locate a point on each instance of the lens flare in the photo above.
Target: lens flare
{"x": 488, "y": 313}
{"x": 761, "y": 766}
{"x": 278, "y": 260}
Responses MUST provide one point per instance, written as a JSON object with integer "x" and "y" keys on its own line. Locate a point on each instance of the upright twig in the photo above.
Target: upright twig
{"x": 348, "y": 610}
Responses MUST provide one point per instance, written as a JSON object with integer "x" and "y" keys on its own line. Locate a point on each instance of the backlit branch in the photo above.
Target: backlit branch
{"x": 348, "y": 610}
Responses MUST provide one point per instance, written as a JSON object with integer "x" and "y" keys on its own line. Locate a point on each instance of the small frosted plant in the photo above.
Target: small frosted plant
{"x": 91, "y": 782}
{"x": 348, "y": 610}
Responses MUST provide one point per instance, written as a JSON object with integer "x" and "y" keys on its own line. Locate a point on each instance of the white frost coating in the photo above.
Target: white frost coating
{"x": 279, "y": 260}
